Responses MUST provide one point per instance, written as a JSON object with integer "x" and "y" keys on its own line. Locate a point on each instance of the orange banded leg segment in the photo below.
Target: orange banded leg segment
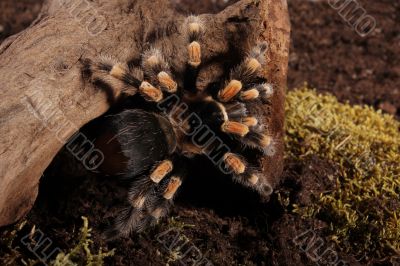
{"x": 234, "y": 163}
{"x": 253, "y": 65}
{"x": 167, "y": 82}
{"x": 242, "y": 172}
{"x": 157, "y": 70}
{"x": 158, "y": 213}
{"x": 195, "y": 28}
{"x": 235, "y": 128}
{"x": 162, "y": 170}
{"x": 174, "y": 183}
{"x": 249, "y": 95}
{"x": 138, "y": 202}
{"x": 194, "y": 51}
{"x": 253, "y": 179}
{"x": 258, "y": 140}
{"x": 150, "y": 93}
{"x": 107, "y": 71}
{"x": 250, "y": 68}
{"x": 250, "y": 121}
{"x": 119, "y": 71}
{"x": 230, "y": 91}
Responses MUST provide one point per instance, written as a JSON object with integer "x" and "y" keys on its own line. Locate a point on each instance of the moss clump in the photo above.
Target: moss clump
{"x": 364, "y": 210}
{"x": 81, "y": 254}
{"x": 10, "y": 249}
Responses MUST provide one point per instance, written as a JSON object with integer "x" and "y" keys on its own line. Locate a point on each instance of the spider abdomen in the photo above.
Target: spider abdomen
{"x": 133, "y": 141}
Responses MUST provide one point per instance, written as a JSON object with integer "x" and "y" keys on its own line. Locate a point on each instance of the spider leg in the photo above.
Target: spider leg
{"x": 243, "y": 78}
{"x": 238, "y": 92}
{"x": 116, "y": 74}
{"x": 245, "y": 174}
{"x": 149, "y": 199}
{"x": 157, "y": 70}
{"x": 194, "y": 29}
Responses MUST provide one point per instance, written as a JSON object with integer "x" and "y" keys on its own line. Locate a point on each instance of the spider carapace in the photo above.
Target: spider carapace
{"x": 219, "y": 122}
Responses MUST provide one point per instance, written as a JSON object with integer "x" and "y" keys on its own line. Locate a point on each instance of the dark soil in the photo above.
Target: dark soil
{"x": 17, "y": 15}
{"x": 233, "y": 227}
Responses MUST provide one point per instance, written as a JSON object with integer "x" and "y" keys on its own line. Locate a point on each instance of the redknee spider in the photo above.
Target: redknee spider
{"x": 184, "y": 122}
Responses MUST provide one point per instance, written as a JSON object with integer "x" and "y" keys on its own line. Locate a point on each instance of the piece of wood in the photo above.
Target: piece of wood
{"x": 44, "y": 99}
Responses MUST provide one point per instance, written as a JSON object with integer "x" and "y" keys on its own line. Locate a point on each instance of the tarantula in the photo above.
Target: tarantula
{"x": 184, "y": 122}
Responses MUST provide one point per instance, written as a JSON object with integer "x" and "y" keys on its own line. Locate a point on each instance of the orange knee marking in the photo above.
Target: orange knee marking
{"x": 230, "y": 91}
{"x": 190, "y": 148}
{"x": 167, "y": 82}
{"x": 194, "y": 28}
{"x": 172, "y": 187}
{"x": 150, "y": 92}
{"x": 194, "y": 50}
{"x": 118, "y": 71}
{"x": 153, "y": 60}
{"x": 234, "y": 163}
{"x": 250, "y": 121}
{"x": 249, "y": 95}
{"x": 164, "y": 168}
{"x": 253, "y": 65}
{"x": 265, "y": 140}
{"x": 138, "y": 203}
{"x": 157, "y": 213}
{"x": 253, "y": 179}
{"x": 235, "y": 128}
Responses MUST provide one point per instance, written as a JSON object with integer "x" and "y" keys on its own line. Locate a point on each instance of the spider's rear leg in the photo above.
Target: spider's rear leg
{"x": 244, "y": 88}
{"x": 244, "y": 173}
{"x": 216, "y": 116}
{"x": 149, "y": 199}
{"x": 245, "y": 128}
{"x": 107, "y": 70}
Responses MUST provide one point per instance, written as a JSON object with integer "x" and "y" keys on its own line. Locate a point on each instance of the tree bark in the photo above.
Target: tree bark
{"x": 45, "y": 100}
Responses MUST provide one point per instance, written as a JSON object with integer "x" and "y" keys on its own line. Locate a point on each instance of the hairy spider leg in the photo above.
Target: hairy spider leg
{"x": 150, "y": 198}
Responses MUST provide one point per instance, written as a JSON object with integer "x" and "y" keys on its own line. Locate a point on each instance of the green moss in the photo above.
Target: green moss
{"x": 81, "y": 254}
{"x": 10, "y": 251}
{"x": 364, "y": 211}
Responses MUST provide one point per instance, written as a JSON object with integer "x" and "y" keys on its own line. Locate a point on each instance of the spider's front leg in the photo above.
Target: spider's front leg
{"x": 151, "y": 82}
